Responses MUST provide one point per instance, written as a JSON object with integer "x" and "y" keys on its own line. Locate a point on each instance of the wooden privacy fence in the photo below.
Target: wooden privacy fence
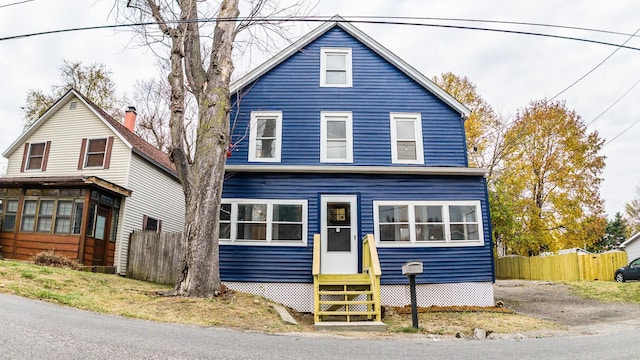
{"x": 569, "y": 267}
{"x": 154, "y": 257}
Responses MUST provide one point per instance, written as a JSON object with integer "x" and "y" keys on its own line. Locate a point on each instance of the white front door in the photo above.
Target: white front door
{"x": 339, "y": 234}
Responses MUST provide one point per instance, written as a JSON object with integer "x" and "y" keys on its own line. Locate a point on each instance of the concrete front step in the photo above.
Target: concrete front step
{"x": 367, "y": 326}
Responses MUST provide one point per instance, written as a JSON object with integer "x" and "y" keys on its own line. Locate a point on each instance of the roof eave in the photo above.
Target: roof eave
{"x": 351, "y": 169}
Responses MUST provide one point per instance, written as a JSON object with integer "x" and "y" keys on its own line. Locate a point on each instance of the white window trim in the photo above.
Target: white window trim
{"x": 268, "y": 242}
{"x": 253, "y": 133}
{"x": 412, "y": 228}
{"x": 323, "y": 136}
{"x": 323, "y": 67}
{"x": 417, "y": 121}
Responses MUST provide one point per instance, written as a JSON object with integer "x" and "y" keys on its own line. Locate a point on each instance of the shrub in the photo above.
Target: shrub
{"x": 50, "y": 258}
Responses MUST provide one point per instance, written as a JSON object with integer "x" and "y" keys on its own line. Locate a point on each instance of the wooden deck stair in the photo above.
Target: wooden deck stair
{"x": 348, "y": 298}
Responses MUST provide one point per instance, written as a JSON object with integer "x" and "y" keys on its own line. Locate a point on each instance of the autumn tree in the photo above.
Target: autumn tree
{"x": 199, "y": 38}
{"x": 94, "y": 81}
{"x": 485, "y": 131}
{"x": 553, "y": 171}
{"x": 632, "y": 212}
{"x": 484, "y": 128}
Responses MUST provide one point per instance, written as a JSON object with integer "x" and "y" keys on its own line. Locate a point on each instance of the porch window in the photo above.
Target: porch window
{"x": 29, "y": 215}
{"x": 10, "y": 212}
{"x": 265, "y": 136}
{"x": 336, "y": 137}
{"x": 63, "y": 217}
{"x": 406, "y": 138}
{"x": 428, "y": 223}
{"x": 335, "y": 67}
{"x": 263, "y": 222}
{"x": 45, "y": 215}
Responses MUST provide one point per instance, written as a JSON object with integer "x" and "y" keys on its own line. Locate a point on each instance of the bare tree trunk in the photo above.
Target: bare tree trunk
{"x": 202, "y": 175}
{"x": 203, "y": 188}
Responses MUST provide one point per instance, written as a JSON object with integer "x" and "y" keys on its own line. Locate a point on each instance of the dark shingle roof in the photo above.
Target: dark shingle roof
{"x": 140, "y": 146}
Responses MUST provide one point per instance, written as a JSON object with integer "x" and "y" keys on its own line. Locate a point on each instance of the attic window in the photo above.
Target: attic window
{"x": 335, "y": 67}
{"x": 73, "y": 105}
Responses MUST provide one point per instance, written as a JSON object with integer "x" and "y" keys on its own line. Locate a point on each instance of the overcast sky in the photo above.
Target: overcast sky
{"x": 509, "y": 70}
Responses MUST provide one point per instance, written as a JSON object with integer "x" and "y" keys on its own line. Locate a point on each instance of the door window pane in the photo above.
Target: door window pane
{"x": 339, "y": 239}
{"x": 101, "y": 221}
{"x": 338, "y": 214}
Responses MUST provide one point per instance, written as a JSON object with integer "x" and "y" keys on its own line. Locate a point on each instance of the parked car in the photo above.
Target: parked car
{"x": 629, "y": 272}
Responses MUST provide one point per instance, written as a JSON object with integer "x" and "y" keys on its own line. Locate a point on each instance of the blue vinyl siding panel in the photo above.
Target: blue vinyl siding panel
{"x": 293, "y": 264}
{"x": 379, "y": 88}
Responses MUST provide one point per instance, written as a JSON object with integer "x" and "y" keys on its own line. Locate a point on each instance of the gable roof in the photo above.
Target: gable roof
{"x": 631, "y": 239}
{"x": 133, "y": 141}
{"x": 341, "y": 23}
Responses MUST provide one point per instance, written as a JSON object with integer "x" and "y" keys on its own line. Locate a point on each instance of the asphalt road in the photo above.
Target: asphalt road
{"x": 38, "y": 330}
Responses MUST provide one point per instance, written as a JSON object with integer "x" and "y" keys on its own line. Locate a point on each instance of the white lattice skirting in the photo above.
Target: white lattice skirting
{"x": 299, "y": 296}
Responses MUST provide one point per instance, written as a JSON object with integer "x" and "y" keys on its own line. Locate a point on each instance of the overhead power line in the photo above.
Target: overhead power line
{"x": 307, "y": 19}
{"x": 15, "y": 3}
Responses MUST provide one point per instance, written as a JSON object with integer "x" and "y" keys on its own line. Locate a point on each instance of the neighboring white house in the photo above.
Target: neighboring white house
{"x": 632, "y": 246}
{"x": 80, "y": 182}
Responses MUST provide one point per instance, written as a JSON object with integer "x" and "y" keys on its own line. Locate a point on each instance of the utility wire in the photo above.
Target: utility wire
{"x": 614, "y": 103}
{"x": 622, "y": 132}
{"x": 16, "y": 3}
{"x": 595, "y": 67}
{"x": 305, "y": 19}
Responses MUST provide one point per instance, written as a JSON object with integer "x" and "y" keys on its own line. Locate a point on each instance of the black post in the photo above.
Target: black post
{"x": 414, "y": 306}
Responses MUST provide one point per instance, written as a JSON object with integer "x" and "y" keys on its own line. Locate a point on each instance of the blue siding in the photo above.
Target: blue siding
{"x": 293, "y": 264}
{"x": 378, "y": 89}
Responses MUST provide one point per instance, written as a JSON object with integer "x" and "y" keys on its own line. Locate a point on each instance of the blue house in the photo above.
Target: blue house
{"x": 335, "y": 138}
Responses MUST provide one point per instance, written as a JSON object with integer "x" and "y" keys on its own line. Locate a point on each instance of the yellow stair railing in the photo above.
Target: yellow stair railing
{"x": 339, "y": 293}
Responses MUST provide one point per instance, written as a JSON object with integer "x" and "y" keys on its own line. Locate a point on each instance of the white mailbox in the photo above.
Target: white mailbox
{"x": 412, "y": 268}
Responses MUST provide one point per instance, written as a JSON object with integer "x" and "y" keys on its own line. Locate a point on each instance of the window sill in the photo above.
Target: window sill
{"x": 406, "y": 244}
{"x": 262, "y": 243}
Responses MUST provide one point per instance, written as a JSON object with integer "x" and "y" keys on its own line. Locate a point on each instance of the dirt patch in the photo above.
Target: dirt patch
{"x": 555, "y": 302}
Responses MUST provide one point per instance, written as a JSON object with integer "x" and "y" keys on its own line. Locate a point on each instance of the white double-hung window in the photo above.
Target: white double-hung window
{"x": 265, "y": 136}
{"x": 336, "y": 137}
{"x": 406, "y": 138}
{"x": 428, "y": 223}
{"x": 335, "y": 67}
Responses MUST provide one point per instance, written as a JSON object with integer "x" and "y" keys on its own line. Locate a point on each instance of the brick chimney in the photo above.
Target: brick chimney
{"x": 130, "y": 118}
